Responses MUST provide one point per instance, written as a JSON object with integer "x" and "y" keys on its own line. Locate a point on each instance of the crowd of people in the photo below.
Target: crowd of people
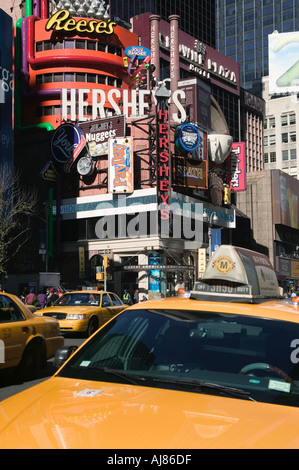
{"x": 43, "y": 299}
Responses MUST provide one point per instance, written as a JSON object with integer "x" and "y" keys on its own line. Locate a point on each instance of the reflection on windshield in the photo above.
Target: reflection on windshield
{"x": 78, "y": 299}
{"x": 195, "y": 351}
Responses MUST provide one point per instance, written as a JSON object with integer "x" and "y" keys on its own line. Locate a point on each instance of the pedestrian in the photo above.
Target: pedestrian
{"x": 127, "y": 298}
{"x": 136, "y": 296}
{"x": 35, "y": 302}
{"x": 42, "y": 299}
{"x": 29, "y": 297}
{"x": 51, "y": 298}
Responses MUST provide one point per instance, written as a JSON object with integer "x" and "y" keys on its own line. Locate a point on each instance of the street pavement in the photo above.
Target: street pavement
{"x": 9, "y": 385}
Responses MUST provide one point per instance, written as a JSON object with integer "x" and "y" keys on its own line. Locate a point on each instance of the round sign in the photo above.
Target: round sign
{"x": 140, "y": 51}
{"x": 85, "y": 166}
{"x": 187, "y": 137}
{"x": 65, "y": 141}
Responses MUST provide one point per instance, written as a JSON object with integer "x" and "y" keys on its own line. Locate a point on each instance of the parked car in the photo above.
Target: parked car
{"x": 217, "y": 370}
{"x": 26, "y": 341}
{"x": 83, "y": 311}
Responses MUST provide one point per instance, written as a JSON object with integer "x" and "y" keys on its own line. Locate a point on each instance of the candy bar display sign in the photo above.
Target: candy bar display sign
{"x": 120, "y": 165}
{"x": 97, "y": 133}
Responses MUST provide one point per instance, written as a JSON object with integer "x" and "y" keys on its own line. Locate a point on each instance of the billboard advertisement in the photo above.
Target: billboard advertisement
{"x": 120, "y": 165}
{"x": 236, "y": 162}
{"x": 283, "y": 62}
{"x": 98, "y": 132}
{"x": 6, "y": 80}
{"x": 285, "y": 190}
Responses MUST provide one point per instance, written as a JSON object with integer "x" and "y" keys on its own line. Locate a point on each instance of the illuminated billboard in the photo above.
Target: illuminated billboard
{"x": 283, "y": 62}
{"x": 6, "y": 132}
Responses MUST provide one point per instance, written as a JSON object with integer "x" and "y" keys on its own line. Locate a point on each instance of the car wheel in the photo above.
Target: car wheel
{"x": 30, "y": 363}
{"x": 93, "y": 325}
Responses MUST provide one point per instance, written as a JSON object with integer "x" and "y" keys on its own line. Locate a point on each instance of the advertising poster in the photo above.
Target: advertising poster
{"x": 285, "y": 191}
{"x": 283, "y": 62}
{"x": 236, "y": 162}
{"x": 295, "y": 269}
{"x": 154, "y": 275}
{"x": 120, "y": 165}
{"x": 97, "y": 133}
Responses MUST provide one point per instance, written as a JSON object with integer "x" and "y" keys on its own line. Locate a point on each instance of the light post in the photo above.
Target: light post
{"x": 210, "y": 218}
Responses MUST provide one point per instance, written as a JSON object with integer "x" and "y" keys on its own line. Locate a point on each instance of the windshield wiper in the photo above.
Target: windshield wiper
{"x": 208, "y": 385}
{"x": 132, "y": 379}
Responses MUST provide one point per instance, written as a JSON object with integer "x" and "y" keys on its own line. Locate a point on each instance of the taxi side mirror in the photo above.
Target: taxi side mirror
{"x": 62, "y": 354}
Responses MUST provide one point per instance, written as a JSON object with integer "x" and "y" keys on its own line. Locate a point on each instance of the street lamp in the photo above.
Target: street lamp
{"x": 211, "y": 219}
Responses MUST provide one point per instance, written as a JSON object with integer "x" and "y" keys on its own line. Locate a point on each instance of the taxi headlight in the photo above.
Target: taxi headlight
{"x": 77, "y": 316}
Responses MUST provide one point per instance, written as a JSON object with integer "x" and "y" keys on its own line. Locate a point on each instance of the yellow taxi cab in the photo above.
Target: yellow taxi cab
{"x": 216, "y": 370}
{"x": 26, "y": 341}
{"x": 83, "y": 311}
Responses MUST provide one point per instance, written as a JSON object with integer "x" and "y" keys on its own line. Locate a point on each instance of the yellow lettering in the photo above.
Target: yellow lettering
{"x": 55, "y": 20}
{"x": 61, "y": 21}
{"x": 81, "y": 26}
{"x": 70, "y": 25}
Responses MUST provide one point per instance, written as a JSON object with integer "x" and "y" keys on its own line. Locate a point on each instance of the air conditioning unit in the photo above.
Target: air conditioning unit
{"x": 219, "y": 146}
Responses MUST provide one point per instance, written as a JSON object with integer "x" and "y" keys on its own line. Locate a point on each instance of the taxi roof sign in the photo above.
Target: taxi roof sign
{"x": 238, "y": 273}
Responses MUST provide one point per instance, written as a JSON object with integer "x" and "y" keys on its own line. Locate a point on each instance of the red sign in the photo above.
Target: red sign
{"x": 163, "y": 164}
{"x": 237, "y": 167}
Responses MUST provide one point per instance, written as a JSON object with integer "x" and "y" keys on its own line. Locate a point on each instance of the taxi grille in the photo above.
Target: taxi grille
{"x": 59, "y": 316}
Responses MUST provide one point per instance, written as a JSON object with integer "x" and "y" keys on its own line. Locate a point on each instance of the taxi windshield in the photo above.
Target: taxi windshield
{"x": 200, "y": 352}
{"x": 78, "y": 299}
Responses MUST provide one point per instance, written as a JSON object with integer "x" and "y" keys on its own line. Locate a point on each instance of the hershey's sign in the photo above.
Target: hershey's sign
{"x": 134, "y": 103}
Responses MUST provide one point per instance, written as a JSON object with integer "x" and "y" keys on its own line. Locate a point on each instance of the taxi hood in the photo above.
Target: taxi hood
{"x": 76, "y": 414}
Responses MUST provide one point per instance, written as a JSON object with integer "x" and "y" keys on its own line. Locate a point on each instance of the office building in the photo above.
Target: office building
{"x": 197, "y": 17}
{"x": 242, "y": 29}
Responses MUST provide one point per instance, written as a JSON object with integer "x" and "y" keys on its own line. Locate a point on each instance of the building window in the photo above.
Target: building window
{"x": 272, "y": 157}
{"x": 292, "y": 119}
{"x": 293, "y": 154}
{"x": 292, "y": 136}
{"x": 266, "y": 141}
{"x": 272, "y": 123}
{"x": 272, "y": 140}
{"x": 78, "y": 44}
{"x": 284, "y": 138}
{"x": 266, "y": 158}
{"x": 285, "y": 155}
{"x": 284, "y": 120}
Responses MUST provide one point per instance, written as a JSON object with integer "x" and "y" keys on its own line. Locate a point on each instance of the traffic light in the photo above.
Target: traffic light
{"x": 100, "y": 276}
{"x": 106, "y": 262}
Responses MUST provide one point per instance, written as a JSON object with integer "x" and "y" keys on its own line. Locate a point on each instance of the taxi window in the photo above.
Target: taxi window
{"x": 115, "y": 300}
{"x": 106, "y": 302}
{"x": 9, "y": 311}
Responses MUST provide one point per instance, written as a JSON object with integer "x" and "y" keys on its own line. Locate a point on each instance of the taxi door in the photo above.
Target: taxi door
{"x": 14, "y": 330}
{"x": 108, "y": 309}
